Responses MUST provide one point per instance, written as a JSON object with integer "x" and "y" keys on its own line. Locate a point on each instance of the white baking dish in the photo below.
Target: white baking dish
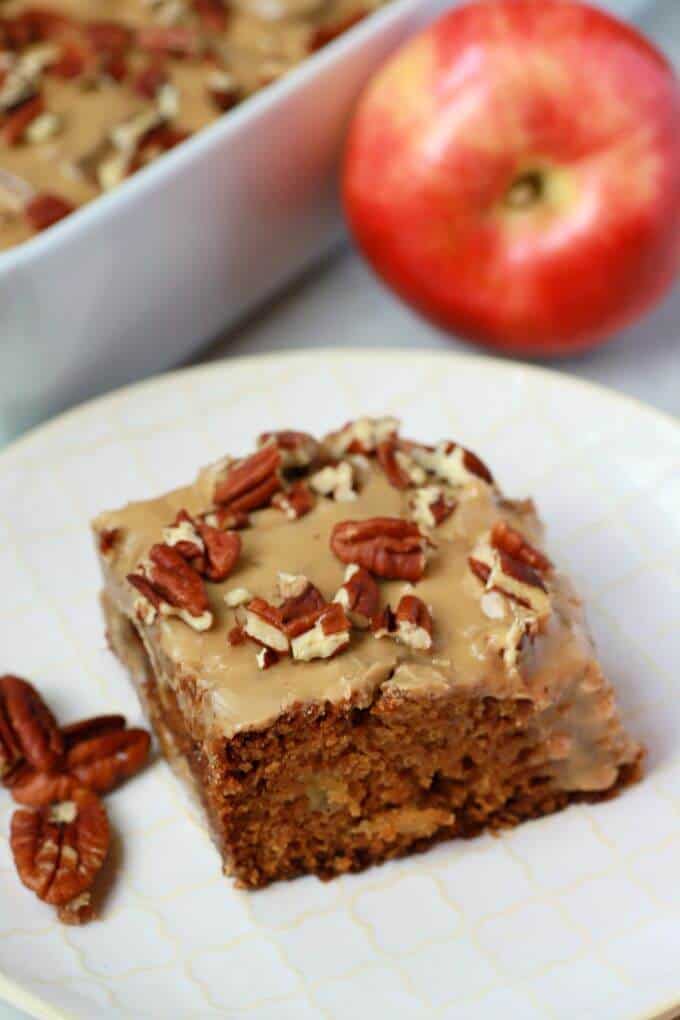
{"x": 138, "y": 279}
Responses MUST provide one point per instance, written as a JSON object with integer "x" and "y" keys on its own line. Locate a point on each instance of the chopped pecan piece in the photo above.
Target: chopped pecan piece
{"x": 384, "y": 624}
{"x": 210, "y": 551}
{"x": 501, "y": 572}
{"x": 150, "y": 81}
{"x": 451, "y": 462}
{"x": 237, "y": 636}
{"x": 172, "y": 587}
{"x": 512, "y": 542}
{"x": 59, "y": 849}
{"x": 17, "y": 120}
{"x": 401, "y": 469}
{"x": 28, "y": 730}
{"x": 173, "y": 40}
{"x": 386, "y": 546}
{"x": 266, "y": 657}
{"x": 238, "y": 597}
{"x": 223, "y": 90}
{"x": 430, "y": 506}
{"x": 227, "y": 520}
{"x": 295, "y": 502}
{"x": 336, "y": 480}
{"x": 327, "y": 632}
{"x": 359, "y": 596}
{"x": 360, "y": 436}
{"x": 249, "y": 484}
{"x": 298, "y": 449}
{"x": 302, "y": 601}
{"x": 44, "y": 209}
{"x": 414, "y": 623}
{"x": 263, "y": 623}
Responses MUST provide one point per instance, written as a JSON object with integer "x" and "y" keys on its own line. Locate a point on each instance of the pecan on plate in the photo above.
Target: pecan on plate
{"x": 298, "y": 449}
{"x": 28, "y": 730}
{"x": 295, "y": 502}
{"x": 359, "y": 596}
{"x": 387, "y": 546}
{"x": 100, "y": 754}
{"x": 168, "y": 585}
{"x": 249, "y": 484}
{"x": 400, "y": 468}
{"x": 430, "y": 506}
{"x": 325, "y": 633}
{"x": 59, "y": 849}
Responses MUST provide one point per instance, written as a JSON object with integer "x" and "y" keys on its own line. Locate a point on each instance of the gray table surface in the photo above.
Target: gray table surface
{"x": 340, "y": 304}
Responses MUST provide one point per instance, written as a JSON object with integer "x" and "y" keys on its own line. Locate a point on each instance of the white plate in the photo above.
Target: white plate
{"x": 575, "y": 916}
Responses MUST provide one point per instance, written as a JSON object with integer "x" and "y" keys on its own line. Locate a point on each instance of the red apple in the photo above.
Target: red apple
{"x": 514, "y": 173}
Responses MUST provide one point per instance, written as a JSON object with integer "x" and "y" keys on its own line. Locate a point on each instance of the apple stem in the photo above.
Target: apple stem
{"x": 525, "y": 190}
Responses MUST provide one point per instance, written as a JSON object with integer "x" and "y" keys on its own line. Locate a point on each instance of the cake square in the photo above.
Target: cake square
{"x": 353, "y": 648}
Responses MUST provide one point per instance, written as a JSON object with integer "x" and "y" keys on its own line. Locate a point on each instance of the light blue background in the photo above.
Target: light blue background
{"x": 657, "y": 381}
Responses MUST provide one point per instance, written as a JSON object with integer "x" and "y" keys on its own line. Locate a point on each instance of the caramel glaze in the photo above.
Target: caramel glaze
{"x": 221, "y": 690}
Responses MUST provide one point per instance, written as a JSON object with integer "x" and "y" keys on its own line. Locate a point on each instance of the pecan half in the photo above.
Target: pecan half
{"x": 263, "y": 623}
{"x": 28, "y": 730}
{"x": 430, "y": 506}
{"x": 359, "y": 596}
{"x": 401, "y": 469}
{"x": 336, "y": 481}
{"x": 100, "y": 755}
{"x": 59, "y": 849}
{"x": 295, "y": 502}
{"x": 170, "y": 586}
{"x": 414, "y": 623}
{"x": 451, "y": 462}
{"x": 386, "y": 546}
{"x": 326, "y": 633}
{"x": 298, "y": 449}
{"x": 250, "y": 483}
{"x": 360, "y": 436}
{"x": 512, "y": 542}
